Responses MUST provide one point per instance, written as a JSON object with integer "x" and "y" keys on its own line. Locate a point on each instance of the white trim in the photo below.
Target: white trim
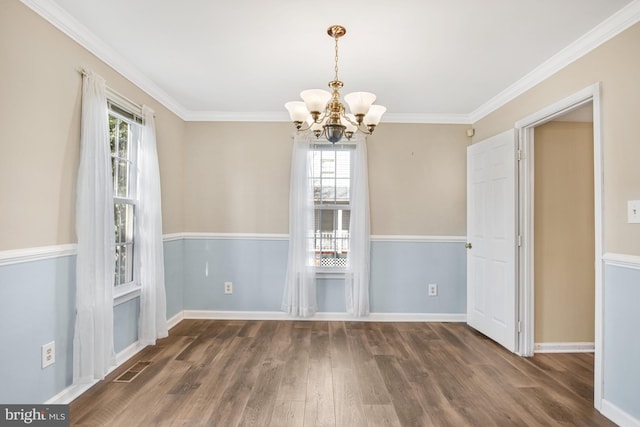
{"x": 325, "y": 316}
{"x": 66, "y": 23}
{"x": 128, "y": 353}
{"x": 76, "y": 390}
{"x": 423, "y": 118}
{"x": 618, "y": 416}
{"x": 70, "y": 393}
{"x": 127, "y": 293}
{"x": 606, "y": 30}
{"x": 622, "y": 260}
{"x": 270, "y": 236}
{"x": 270, "y": 116}
{"x": 526, "y": 280}
{"x": 234, "y": 236}
{"x": 564, "y": 347}
{"x": 174, "y": 320}
{"x": 16, "y": 256}
{"x": 171, "y": 237}
{"x": 615, "y": 24}
{"x": 419, "y": 239}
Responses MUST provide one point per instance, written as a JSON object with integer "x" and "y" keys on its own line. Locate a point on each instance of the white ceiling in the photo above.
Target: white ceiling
{"x": 422, "y": 58}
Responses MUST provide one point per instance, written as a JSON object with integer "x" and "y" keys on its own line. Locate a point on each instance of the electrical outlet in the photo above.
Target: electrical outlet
{"x": 228, "y": 288}
{"x": 48, "y": 354}
{"x": 433, "y": 289}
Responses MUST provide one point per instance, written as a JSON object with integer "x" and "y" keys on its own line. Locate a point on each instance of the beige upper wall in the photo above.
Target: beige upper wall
{"x": 616, "y": 64}
{"x": 237, "y": 178}
{"x": 417, "y": 179}
{"x": 40, "y": 121}
{"x": 564, "y": 272}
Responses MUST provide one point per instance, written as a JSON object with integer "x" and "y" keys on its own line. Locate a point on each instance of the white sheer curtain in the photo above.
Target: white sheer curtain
{"x": 299, "y": 297}
{"x": 149, "y": 247}
{"x": 358, "y": 260}
{"x": 93, "y": 352}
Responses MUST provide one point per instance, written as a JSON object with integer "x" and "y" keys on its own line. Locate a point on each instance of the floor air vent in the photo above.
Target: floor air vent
{"x": 132, "y": 372}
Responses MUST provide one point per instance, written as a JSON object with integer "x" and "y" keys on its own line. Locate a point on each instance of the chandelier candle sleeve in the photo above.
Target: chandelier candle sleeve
{"x": 323, "y": 114}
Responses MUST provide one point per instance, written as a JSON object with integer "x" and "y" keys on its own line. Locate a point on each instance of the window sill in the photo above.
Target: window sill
{"x": 331, "y": 273}
{"x": 126, "y": 293}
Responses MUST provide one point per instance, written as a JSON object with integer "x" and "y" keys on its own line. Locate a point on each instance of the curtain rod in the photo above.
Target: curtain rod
{"x": 118, "y": 97}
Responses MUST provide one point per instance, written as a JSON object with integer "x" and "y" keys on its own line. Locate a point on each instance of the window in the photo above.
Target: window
{"x": 124, "y": 133}
{"x": 331, "y": 175}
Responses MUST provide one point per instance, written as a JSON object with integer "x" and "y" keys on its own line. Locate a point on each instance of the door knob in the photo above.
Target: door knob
{"x": 468, "y": 246}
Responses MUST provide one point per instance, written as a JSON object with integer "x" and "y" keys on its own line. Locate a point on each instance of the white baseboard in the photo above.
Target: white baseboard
{"x": 325, "y": 316}
{"x": 618, "y": 416}
{"x": 173, "y": 321}
{"x": 75, "y": 390}
{"x": 70, "y": 393}
{"x": 564, "y": 347}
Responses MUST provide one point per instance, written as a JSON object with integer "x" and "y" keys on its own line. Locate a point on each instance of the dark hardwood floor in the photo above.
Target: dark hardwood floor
{"x": 296, "y": 373}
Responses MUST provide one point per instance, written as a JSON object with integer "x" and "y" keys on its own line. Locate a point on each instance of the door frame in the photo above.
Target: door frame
{"x": 525, "y": 132}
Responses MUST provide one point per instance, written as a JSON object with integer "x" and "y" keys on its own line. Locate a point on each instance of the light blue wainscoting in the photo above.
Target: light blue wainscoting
{"x": 256, "y": 268}
{"x": 400, "y": 272}
{"x": 622, "y": 338}
{"x": 174, "y": 275}
{"x": 37, "y": 306}
{"x": 125, "y": 324}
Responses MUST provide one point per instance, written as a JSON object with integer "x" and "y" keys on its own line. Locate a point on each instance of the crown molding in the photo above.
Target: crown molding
{"x": 62, "y": 20}
{"x": 236, "y": 116}
{"x": 226, "y": 116}
{"x": 460, "y": 119}
{"x": 606, "y": 30}
{"x": 614, "y": 25}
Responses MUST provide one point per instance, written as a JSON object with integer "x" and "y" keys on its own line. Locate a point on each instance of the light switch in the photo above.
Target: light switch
{"x": 633, "y": 212}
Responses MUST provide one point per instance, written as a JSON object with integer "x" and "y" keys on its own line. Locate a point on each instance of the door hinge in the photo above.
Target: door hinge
{"x": 519, "y": 154}
{"x": 519, "y": 331}
{"x": 519, "y": 240}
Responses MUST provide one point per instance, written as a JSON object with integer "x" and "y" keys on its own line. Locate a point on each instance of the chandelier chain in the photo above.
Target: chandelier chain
{"x": 336, "y": 67}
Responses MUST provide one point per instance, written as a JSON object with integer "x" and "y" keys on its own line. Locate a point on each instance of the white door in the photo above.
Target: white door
{"x": 491, "y": 238}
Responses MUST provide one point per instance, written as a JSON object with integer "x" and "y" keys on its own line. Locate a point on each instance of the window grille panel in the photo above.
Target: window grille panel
{"x": 123, "y": 139}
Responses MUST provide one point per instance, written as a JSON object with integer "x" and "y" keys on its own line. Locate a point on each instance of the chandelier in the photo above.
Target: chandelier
{"x": 323, "y": 114}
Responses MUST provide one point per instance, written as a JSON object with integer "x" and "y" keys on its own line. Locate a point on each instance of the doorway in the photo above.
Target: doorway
{"x": 564, "y": 288}
{"x": 526, "y": 227}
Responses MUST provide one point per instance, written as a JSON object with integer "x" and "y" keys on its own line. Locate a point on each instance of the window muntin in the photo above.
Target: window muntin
{"x": 331, "y": 177}
{"x": 123, "y": 139}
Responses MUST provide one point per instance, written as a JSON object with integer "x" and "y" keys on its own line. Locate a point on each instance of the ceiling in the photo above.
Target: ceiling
{"x": 424, "y": 59}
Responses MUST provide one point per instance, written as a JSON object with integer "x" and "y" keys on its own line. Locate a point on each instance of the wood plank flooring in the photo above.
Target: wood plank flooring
{"x": 294, "y": 373}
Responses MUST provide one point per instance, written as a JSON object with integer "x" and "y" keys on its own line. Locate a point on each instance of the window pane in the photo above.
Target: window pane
{"x": 123, "y": 140}
{"x": 122, "y": 184}
{"x": 124, "y": 264}
{"x": 343, "y": 164}
{"x": 331, "y": 237}
{"x": 123, "y": 218}
{"x": 112, "y": 134}
{"x": 317, "y": 190}
{"x": 328, "y": 164}
{"x": 342, "y": 190}
{"x": 328, "y": 191}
